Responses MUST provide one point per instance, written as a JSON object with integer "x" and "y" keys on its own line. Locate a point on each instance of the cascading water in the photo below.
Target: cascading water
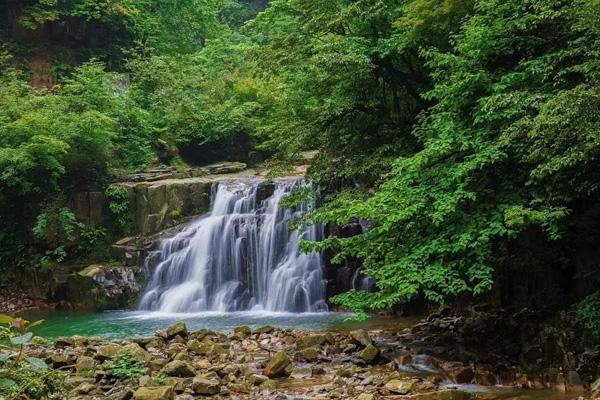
{"x": 242, "y": 255}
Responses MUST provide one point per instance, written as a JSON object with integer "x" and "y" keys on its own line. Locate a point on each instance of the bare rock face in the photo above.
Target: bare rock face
{"x": 102, "y": 287}
{"x": 161, "y": 198}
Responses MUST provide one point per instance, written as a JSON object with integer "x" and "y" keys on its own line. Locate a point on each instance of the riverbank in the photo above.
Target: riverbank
{"x": 274, "y": 363}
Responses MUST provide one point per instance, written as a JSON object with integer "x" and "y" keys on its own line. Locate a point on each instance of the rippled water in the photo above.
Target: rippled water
{"x": 129, "y": 324}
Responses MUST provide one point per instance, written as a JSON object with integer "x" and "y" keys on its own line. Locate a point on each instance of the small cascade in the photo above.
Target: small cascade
{"x": 240, "y": 256}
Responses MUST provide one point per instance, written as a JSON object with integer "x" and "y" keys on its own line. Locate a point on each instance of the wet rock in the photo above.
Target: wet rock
{"x": 59, "y": 360}
{"x": 447, "y": 395}
{"x": 366, "y": 396}
{"x": 149, "y": 342}
{"x": 62, "y": 342}
{"x": 178, "y": 384}
{"x": 361, "y": 337}
{"x": 279, "y": 365}
{"x": 399, "y": 386}
{"x": 369, "y": 353}
{"x": 84, "y": 388}
{"x": 308, "y": 354}
{"x": 310, "y": 341}
{"x": 103, "y": 287}
{"x": 256, "y": 379}
{"x": 178, "y": 329}
{"x": 145, "y": 380}
{"x": 345, "y": 372}
{"x": 126, "y": 394}
{"x": 156, "y": 364}
{"x": 458, "y": 372}
{"x": 176, "y": 348}
{"x": 39, "y": 341}
{"x": 206, "y": 385}
{"x": 269, "y": 384}
{"x": 154, "y": 393}
{"x": 137, "y": 353}
{"x": 179, "y": 368}
{"x": 108, "y": 351}
{"x": 242, "y": 332}
{"x": 264, "y": 329}
{"x": 84, "y": 365}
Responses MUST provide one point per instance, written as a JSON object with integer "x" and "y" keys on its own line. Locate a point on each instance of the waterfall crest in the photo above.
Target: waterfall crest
{"x": 242, "y": 255}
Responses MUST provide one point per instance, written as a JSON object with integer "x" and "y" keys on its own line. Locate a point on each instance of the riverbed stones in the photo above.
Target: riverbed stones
{"x": 278, "y": 366}
{"x": 108, "y": 351}
{"x": 179, "y": 368}
{"x": 344, "y": 369}
{"x": 62, "y": 342}
{"x": 308, "y": 354}
{"x": 84, "y": 388}
{"x": 360, "y": 336}
{"x": 84, "y": 365}
{"x": 134, "y": 351}
{"x": 178, "y": 329}
{"x": 242, "y": 332}
{"x": 452, "y": 395}
{"x": 310, "y": 341}
{"x": 399, "y": 386}
{"x": 125, "y": 394}
{"x": 369, "y": 353}
{"x": 264, "y": 329}
{"x": 458, "y": 372}
{"x": 59, "y": 360}
{"x": 206, "y": 384}
{"x": 256, "y": 379}
{"x": 154, "y": 393}
{"x": 39, "y": 341}
{"x": 366, "y": 396}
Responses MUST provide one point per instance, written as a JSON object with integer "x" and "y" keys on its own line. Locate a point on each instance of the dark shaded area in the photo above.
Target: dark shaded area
{"x": 234, "y": 148}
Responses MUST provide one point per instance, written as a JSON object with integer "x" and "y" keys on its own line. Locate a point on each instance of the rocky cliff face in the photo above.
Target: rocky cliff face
{"x": 162, "y": 199}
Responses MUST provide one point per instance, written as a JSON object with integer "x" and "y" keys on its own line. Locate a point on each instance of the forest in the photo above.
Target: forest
{"x": 462, "y": 136}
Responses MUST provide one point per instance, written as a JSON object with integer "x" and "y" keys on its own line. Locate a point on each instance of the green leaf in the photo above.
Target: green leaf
{"x": 7, "y": 383}
{"x": 6, "y": 319}
{"x": 23, "y": 339}
{"x": 4, "y": 356}
{"x": 36, "y": 323}
{"x": 37, "y": 363}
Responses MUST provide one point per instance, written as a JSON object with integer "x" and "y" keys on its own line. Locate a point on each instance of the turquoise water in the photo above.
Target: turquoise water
{"x": 131, "y": 324}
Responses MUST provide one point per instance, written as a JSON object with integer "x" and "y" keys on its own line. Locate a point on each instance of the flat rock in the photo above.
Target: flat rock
{"x": 154, "y": 393}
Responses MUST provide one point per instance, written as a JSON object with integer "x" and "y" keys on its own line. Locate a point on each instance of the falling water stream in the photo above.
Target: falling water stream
{"x": 242, "y": 255}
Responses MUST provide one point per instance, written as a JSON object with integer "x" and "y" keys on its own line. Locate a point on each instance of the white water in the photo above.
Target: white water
{"x": 240, "y": 256}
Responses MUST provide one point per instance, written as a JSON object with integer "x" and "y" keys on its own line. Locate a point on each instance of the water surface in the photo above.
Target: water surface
{"x": 132, "y": 324}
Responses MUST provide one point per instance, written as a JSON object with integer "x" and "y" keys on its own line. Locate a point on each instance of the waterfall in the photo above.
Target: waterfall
{"x": 242, "y": 255}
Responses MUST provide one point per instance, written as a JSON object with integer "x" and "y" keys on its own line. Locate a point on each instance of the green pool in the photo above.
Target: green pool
{"x": 131, "y": 324}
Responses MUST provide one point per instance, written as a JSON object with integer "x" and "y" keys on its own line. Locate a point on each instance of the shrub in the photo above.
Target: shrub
{"x": 125, "y": 368}
{"x": 589, "y": 311}
{"x": 118, "y": 204}
{"x": 22, "y": 376}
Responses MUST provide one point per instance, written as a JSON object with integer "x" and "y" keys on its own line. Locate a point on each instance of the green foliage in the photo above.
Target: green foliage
{"x": 125, "y": 368}
{"x": 454, "y": 127}
{"x": 297, "y": 197}
{"x": 22, "y": 376}
{"x": 589, "y": 311}
{"x": 509, "y": 144}
{"x": 118, "y": 203}
{"x": 160, "y": 379}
